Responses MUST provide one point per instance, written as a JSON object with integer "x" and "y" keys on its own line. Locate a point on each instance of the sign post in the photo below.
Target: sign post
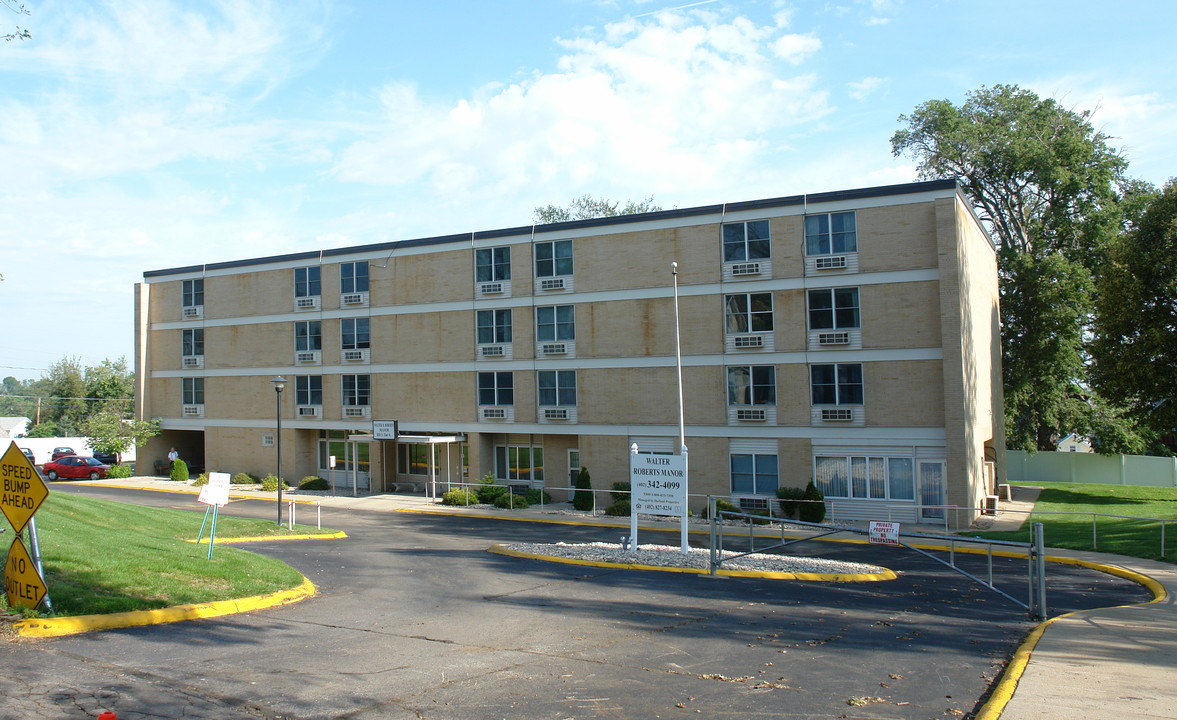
{"x": 215, "y": 494}
{"x": 658, "y": 486}
{"x": 22, "y": 491}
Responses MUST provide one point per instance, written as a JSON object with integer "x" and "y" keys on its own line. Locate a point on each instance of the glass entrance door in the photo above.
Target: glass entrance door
{"x": 932, "y": 489}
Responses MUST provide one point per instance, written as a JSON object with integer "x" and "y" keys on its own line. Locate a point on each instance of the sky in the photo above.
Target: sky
{"x": 140, "y": 135}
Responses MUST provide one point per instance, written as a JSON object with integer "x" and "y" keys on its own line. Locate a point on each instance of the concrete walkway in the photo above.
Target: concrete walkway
{"x": 1109, "y": 663}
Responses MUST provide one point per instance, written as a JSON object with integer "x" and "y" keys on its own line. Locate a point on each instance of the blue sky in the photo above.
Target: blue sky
{"x": 145, "y": 134}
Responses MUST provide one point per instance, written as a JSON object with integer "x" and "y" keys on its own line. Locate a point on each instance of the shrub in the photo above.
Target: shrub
{"x": 582, "y": 499}
{"x": 460, "y": 496}
{"x": 244, "y": 479}
{"x": 180, "y": 471}
{"x": 118, "y": 472}
{"x": 761, "y": 512}
{"x": 270, "y": 484}
{"x": 489, "y": 489}
{"x": 788, "y": 497}
{"x": 201, "y": 479}
{"x": 511, "y": 501}
{"x": 721, "y": 505}
{"x": 313, "y": 482}
{"x": 535, "y": 496}
{"x": 813, "y": 512}
{"x": 620, "y": 492}
{"x": 618, "y": 508}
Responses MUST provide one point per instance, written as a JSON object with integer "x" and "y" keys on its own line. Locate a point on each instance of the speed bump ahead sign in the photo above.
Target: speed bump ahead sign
{"x": 21, "y": 488}
{"x": 22, "y": 582}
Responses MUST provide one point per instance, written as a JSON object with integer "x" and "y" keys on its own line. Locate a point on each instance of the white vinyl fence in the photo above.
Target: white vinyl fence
{"x": 1091, "y": 468}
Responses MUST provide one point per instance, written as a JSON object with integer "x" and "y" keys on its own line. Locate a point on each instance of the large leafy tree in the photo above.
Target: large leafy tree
{"x": 587, "y": 207}
{"x": 1045, "y": 185}
{"x": 1135, "y": 344}
{"x": 110, "y": 432}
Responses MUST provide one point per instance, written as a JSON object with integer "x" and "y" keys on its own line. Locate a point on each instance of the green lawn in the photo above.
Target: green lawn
{"x": 1137, "y": 538}
{"x": 103, "y": 557}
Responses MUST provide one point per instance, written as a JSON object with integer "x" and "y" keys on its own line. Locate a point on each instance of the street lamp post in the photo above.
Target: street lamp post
{"x": 279, "y": 384}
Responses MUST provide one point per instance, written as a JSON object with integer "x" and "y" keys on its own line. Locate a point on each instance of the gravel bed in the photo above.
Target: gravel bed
{"x": 672, "y": 556}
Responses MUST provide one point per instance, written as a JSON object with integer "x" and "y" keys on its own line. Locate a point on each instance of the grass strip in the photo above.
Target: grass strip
{"x": 1120, "y": 535}
{"x": 102, "y": 556}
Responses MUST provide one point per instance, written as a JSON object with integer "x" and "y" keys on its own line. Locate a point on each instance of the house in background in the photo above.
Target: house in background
{"x": 851, "y": 338}
{"x": 14, "y": 427}
{"x": 1075, "y": 443}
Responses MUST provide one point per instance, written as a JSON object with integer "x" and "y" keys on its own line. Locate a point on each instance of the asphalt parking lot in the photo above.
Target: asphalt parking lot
{"x": 414, "y": 619}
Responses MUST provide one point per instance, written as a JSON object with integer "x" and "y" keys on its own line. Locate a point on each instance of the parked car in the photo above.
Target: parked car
{"x": 106, "y": 458}
{"x": 29, "y": 454}
{"x": 75, "y": 466}
{"x": 60, "y": 452}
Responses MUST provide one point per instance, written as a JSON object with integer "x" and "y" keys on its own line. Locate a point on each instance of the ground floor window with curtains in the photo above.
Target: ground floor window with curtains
{"x": 865, "y": 477}
{"x": 754, "y": 474}
{"x": 515, "y": 463}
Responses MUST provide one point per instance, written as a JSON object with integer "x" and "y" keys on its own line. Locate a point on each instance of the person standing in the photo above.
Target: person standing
{"x": 173, "y": 456}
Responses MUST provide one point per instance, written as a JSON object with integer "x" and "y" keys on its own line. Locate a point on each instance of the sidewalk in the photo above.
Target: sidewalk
{"x": 1108, "y": 663}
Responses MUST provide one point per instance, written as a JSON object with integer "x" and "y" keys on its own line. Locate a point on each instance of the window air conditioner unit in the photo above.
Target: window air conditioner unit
{"x": 306, "y": 303}
{"x": 193, "y": 311}
{"x": 756, "y": 503}
{"x": 833, "y": 262}
{"x": 306, "y": 357}
{"x": 353, "y": 355}
{"x": 491, "y": 351}
{"x": 551, "y": 284}
{"x": 750, "y": 414}
{"x": 193, "y": 411}
{"x": 355, "y": 411}
{"x": 494, "y": 413}
{"x": 352, "y": 299}
{"x": 490, "y": 288}
{"x": 308, "y": 411}
{"x": 194, "y": 361}
{"x": 833, "y": 338}
{"x": 837, "y": 414}
{"x": 749, "y": 341}
{"x": 555, "y": 413}
{"x": 553, "y": 348}
{"x": 751, "y": 268}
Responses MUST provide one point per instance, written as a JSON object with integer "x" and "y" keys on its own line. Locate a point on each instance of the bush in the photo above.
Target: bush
{"x": 489, "y": 489}
{"x": 180, "y": 471}
{"x": 244, "y": 479}
{"x": 511, "y": 501}
{"x": 619, "y": 508}
{"x": 460, "y": 497}
{"x": 270, "y": 484}
{"x": 721, "y": 505}
{"x": 118, "y": 472}
{"x": 813, "y": 512}
{"x": 313, "y": 482}
{"x": 620, "y": 492}
{"x": 535, "y": 496}
{"x": 788, "y": 497}
{"x": 201, "y": 479}
{"x": 582, "y": 499}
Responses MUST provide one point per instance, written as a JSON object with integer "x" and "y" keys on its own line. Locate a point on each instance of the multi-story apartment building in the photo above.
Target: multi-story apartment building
{"x": 847, "y": 337}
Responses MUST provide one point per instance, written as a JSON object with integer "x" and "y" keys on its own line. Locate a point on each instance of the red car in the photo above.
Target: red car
{"x": 75, "y": 466}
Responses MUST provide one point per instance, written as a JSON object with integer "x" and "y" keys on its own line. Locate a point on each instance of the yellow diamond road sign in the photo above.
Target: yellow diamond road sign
{"x": 21, "y": 488}
{"x": 22, "y": 582}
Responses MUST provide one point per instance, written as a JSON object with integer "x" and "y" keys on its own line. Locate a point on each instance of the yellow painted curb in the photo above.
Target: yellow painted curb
{"x": 58, "y": 627}
{"x": 333, "y": 536}
{"x": 819, "y": 577}
{"x": 192, "y": 490}
{"x": 1004, "y": 691}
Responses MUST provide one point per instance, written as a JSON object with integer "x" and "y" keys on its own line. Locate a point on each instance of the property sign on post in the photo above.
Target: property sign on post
{"x": 216, "y": 492}
{"x": 883, "y": 533}
{"x": 22, "y": 582}
{"x": 21, "y": 488}
{"x": 658, "y": 484}
{"x": 384, "y": 429}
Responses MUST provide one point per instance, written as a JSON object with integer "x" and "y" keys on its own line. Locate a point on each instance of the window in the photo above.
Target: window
{"x": 745, "y": 241}
{"x": 193, "y": 293}
{"x": 494, "y": 326}
{"x": 413, "y": 459}
{"x": 306, "y": 282}
{"x": 865, "y": 477}
{"x": 492, "y": 264}
{"x": 353, "y": 277}
{"x": 834, "y": 309}
{"x": 754, "y": 474}
{"x": 193, "y": 391}
{"x": 557, "y": 322}
{"x": 557, "y": 387}
{"x": 830, "y": 234}
{"x": 751, "y": 385}
{"x": 353, "y": 333}
{"x": 192, "y": 342}
{"x": 836, "y": 384}
{"x": 357, "y": 390}
{"x": 553, "y": 259}
{"x": 496, "y": 388}
{"x": 519, "y": 463}
{"x": 750, "y": 312}
{"x": 308, "y": 389}
{"x": 308, "y": 336}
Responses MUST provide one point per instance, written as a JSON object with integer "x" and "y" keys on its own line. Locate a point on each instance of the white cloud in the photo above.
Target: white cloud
{"x": 796, "y": 49}
{"x": 859, "y": 90}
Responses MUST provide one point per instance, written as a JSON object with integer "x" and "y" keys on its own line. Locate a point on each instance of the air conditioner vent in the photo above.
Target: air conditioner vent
{"x": 355, "y": 411}
{"x": 553, "y": 348}
{"x": 555, "y": 413}
{"x": 748, "y": 341}
{"x": 193, "y": 411}
{"x": 306, "y": 357}
{"x": 750, "y": 268}
{"x": 194, "y": 361}
{"x": 750, "y": 414}
{"x": 308, "y": 411}
{"x": 491, "y": 351}
{"x": 194, "y": 311}
{"x": 551, "y": 284}
{"x": 833, "y": 262}
{"x": 353, "y": 355}
{"x": 352, "y": 299}
{"x": 833, "y": 338}
{"x": 494, "y": 413}
{"x": 837, "y": 414}
{"x": 306, "y": 303}
{"x": 490, "y": 288}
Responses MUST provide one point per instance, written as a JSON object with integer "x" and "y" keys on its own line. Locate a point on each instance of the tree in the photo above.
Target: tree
{"x": 110, "y": 432}
{"x": 67, "y": 386}
{"x": 1045, "y": 185}
{"x": 1134, "y": 350}
{"x": 587, "y": 207}
{"x": 113, "y": 383}
{"x": 19, "y": 33}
